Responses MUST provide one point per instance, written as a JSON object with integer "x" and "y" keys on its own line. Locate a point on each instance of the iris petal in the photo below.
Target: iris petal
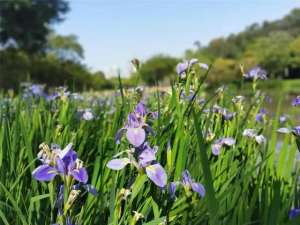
{"x": 80, "y": 175}
{"x": 136, "y": 136}
{"x": 118, "y": 164}
{"x": 44, "y": 173}
{"x": 157, "y": 174}
{"x": 199, "y": 188}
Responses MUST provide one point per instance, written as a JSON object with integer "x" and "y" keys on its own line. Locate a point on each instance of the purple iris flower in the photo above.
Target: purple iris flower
{"x": 60, "y": 92}
{"x": 37, "y": 90}
{"x": 218, "y": 144}
{"x": 252, "y": 134}
{"x": 146, "y": 159}
{"x": 256, "y": 73}
{"x": 86, "y": 114}
{"x": 136, "y": 127}
{"x": 283, "y": 118}
{"x": 60, "y": 162}
{"x": 34, "y": 90}
{"x": 182, "y": 68}
{"x": 226, "y": 115}
{"x": 296, "y": 101}
{"x": 188, "y": 183}
{"x": 294, "y": 213}
{"x": 295, "y": 131}
{"x": 260, "y": 116}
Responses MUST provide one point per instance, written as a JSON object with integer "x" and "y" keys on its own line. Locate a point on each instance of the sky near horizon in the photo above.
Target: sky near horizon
{"x": 113, "y": 32}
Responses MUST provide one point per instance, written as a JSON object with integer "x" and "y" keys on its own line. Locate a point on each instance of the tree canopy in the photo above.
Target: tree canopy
{"x": 27, "y": 22}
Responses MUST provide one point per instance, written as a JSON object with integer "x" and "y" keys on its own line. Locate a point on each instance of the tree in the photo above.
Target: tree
{"x": 272, "y": 52}
{"x": 157, "y": 68}
{"x": 64, "y": 47}
{"x": 27, "y": 22}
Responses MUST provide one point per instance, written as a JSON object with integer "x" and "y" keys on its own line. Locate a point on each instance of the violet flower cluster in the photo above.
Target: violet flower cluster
{"x": 141, "y": 155}
{"x": 218, "y": 144}
{"x": 63, "y": 163}
{"x": 256, "y": 73}
{"x": 252, "y": 134}
{"x": 188, "y": 184}
{"x": 296, "y": 101}
{"x": 184, "y": 67}
{"x": 261, "y": 115}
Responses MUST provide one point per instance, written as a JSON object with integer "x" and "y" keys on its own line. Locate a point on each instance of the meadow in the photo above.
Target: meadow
{"x": 183, "y": 156}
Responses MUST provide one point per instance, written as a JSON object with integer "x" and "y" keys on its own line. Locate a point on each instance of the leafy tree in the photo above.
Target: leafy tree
{"x": 64, "y": 47}
{"x": 157, "y": 68}
{"x": 27, "y": 22}
{"x": 224, "y": 70}
{"x": 272, "y": 52}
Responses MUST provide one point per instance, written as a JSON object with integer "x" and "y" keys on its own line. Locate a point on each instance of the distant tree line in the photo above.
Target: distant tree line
{"x": 275, "y": 46}
{"x": 30, "y": 50}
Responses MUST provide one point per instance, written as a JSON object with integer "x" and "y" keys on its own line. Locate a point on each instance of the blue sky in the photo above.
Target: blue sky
{"x": 113, "y": 32}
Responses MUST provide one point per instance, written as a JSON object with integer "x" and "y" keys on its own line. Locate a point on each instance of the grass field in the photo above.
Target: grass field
{"x": 240, "y": 173}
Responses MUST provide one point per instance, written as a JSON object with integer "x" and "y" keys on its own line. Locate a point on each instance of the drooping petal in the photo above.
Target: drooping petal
{"x": 136, "y": 136}
{"x": 44, "y": 173}
{"x": 193, "y": 61}
{"x": 204, "y": 66}
{"x": 182, "y": 68}
{"x": 198, "y": 188}
{"x": 80, "y": 175}
{"x": 228, "y": 141}
{"x": 216, "y": 149}
{"x": 157, "y": 174}
{"x": 118, "y": 164}
{"x": 284, "y": 130}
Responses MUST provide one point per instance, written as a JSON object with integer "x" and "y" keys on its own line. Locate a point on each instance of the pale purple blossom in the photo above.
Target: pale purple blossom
{"x": 252, "y": 134}
{"x": 188, "y": 183}
{"x": 296, "y": 101}
{"x": 143, "y": 157}
{"x": 60, "y": 162}
{"x": 256, "y": 73}
{"x": 218, "y": 144}
{"x": 136, "y": 128}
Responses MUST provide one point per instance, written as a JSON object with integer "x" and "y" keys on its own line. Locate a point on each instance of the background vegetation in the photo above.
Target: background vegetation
{"x": 45, "y": 57}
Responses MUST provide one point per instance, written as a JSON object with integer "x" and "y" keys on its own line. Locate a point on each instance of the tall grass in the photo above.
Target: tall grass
{"x": 246, "y": 184}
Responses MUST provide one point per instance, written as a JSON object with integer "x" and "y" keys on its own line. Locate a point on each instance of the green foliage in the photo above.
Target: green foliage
{"x": 64, "y": 47}
{"x": 271, "y": 52}
{"x": 27, "y": 21}
{"x": 17, "y": 66}
{"x": 224, "y": 71}
{"x": 246, "y": 184}
{"x": 272, "y": 45}
{"x": 157, "y": 68}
